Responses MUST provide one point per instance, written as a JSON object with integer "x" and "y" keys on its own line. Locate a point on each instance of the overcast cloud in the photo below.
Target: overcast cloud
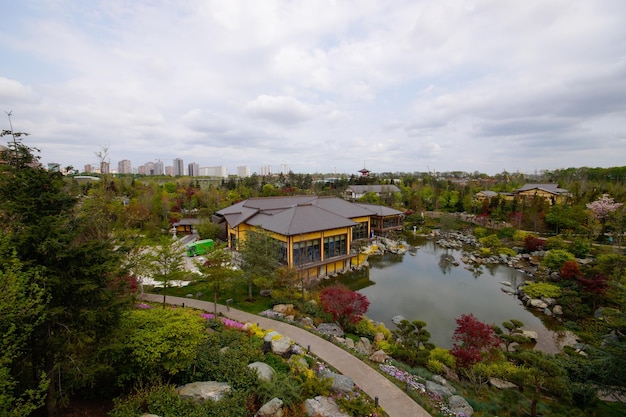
{"x": 319, "y": 86}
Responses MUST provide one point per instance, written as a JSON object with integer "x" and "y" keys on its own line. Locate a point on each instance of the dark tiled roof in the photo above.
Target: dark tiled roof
{"x": 380, "y": 211}
{"x": 297, "y": 214}
{"x": 551, "y": 188}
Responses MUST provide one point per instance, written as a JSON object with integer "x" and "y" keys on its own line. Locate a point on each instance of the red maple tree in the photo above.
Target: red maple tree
{"x": 474, "y": 339}
{"x": 346, "y": 306}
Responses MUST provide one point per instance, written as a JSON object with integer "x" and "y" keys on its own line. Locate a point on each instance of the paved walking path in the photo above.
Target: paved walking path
{"x": 392, "y": 399}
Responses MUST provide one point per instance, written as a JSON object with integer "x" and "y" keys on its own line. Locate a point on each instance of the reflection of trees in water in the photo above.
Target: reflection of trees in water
{"x": 386, "y": 260}
{"x": 446, "y": 262}
{"x": 355, "y": 280}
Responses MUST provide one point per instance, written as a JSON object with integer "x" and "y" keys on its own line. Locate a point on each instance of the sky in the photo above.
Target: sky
{"x": 319, "y": 86}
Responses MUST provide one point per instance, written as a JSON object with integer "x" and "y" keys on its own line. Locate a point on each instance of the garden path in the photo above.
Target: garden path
{"x": 392, "y": 399}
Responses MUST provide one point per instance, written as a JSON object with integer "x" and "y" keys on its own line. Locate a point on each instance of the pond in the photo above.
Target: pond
{"x": 424, "y": 284}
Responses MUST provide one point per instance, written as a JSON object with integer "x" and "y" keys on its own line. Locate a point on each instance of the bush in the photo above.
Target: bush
{"x": 434, "y": 366}
{"x": 506, "y": 232}
{"x": 480, "y": 232}
{"x": 490, "y": 241}
{"x": 580, "y": 248}
{"x": 542, "y": 289}
{"x": 442, "y": 355}
{"x": 555, "y": 242}
{"x": 554, "y": 259}
{"x": 506, "y": 251}
{"x": 533, "y": 243}
{"x": 365, "y": 328}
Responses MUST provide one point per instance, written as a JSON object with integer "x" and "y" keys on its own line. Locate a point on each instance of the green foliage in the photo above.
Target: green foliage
{"x": 259, "y": 254}
{"x": 580, "y": 247}
{"x": 506, "y": 232}
{"x": 542, "y": 289}
{"x": 444, "y": 356}
{"x": 154, "y": 344}
{"x": 281, "y": 386}
{"x": 277, "y": 363}
{"x": 22, "y": 308}
{"x": 506, "y": 251}
{"x": 164, "y": 401}
{"x": 435, "y": 366}
{"x": 480, "y": 232}
{"x": 554, "y": 259}
{"x": 357, "y": 404}
{"x": 556, "y": 242}
{"x": 208, "y": 230}
{"x": 490, "y": 241}
{"x": 365, "y": 328}
{"x": 230, "y": 364}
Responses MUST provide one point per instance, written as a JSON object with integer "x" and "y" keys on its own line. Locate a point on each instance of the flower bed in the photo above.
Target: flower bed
{"x": 227, "y": 322}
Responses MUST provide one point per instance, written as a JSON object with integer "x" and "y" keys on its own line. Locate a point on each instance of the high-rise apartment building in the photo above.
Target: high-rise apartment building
{"x": 218, "y": 171}
{"x": 179, "y": 167}
{"x": 88, "y": 169}
{"x": 169, "y": 170}
{"x": 193, "y": 169}
{"x": 158, "y": 168}
{"x": 124, "y": 167}
{"x": 104, "y": 167}
{"x": 243, "y": 171}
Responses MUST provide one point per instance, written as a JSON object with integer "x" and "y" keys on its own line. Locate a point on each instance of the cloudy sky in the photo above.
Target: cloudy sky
{"x": 319, "y": 86}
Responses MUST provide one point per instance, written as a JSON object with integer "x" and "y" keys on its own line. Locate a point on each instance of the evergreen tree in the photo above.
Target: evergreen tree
{"x": 75, "y": 273}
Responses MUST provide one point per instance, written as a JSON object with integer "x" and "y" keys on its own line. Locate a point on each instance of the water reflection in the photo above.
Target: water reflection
{"x": 427, "y": 285}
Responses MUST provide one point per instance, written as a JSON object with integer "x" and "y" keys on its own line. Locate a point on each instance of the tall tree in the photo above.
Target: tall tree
{"x": 75, "y": 272}
{"x": 602, "y": 209}
{"x": 22, "y": 309}
{"x": 164, "y": 262}
{"x": 259, "y": 258}
{"x": 218, "y": 272}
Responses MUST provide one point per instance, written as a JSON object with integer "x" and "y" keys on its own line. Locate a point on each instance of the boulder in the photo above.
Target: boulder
{"x": 379, "y": 356}
{"x": 330, "y": 329}
{"x": 349, "y": 343}
{"x": 364, "y": 346}
{"x": 203, "y": 390}
{"x": 283, "y": 308}
{"x": 307, "y": 321}
{"x": 557, "y": 310}
{"x": 397, "y": 319}
{"x": 271, "y": 335}
{"x": 323, "y": 407}
{"x": 540, "y": 304}
{"x": 265, "y": 372}
{"x": 280, "y": 345}
{"x": 443, "y": 382}
{"x": 378, "y": 337}
{"x": 449, "y": 374}
{"x": 459, "y": 406}
{"x": 501, "y": 383}
{"x": 440, "y": 390}
{"x": 272, "y": 408}
{"x": 341, "y": 383}
{"x": 532, "y": 335}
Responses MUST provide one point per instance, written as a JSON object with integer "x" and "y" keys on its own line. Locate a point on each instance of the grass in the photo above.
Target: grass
{"x": 238, "y": 293}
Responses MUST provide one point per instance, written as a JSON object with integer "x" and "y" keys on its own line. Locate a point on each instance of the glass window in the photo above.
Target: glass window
{"x": 306, "y": 252}
{"x": 359, "y": 231}
{"x": 335, "y": 246}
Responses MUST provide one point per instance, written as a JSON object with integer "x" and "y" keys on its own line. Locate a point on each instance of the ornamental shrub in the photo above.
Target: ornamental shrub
{"x": 533, "y": 243}
{"x": 542, "y": 289}
{"x": 554, "y": 259}
{"x": 442, "y": 355}
{"x": 555, "y": 242}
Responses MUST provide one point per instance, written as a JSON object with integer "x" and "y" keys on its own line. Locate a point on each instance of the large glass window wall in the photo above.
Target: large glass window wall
{"x": 306, "y": 252}
{"x": 335, "y": 246}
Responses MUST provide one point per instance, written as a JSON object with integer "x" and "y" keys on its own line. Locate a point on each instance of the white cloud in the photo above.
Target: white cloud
{"x": 321, "y": 85}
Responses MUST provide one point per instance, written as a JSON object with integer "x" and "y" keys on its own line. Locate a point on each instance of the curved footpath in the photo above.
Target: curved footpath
{"x": 392, "y": 399}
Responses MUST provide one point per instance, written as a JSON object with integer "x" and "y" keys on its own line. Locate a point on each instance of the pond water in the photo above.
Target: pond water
{"x": 423, "y": 284}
